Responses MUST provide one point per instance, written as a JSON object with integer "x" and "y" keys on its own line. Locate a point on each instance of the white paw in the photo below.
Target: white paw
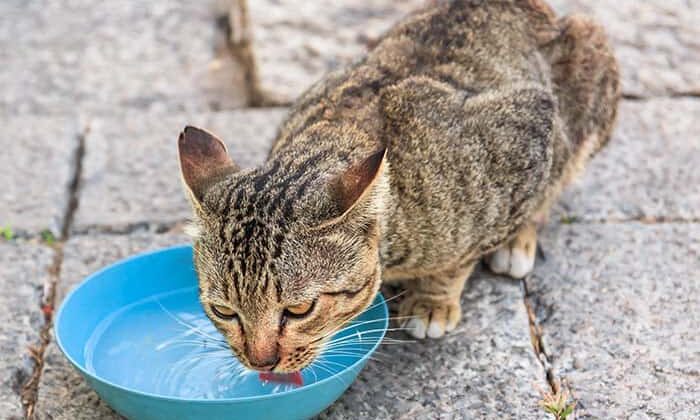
{"x": 499, "y": 262}
{"x": 520, "y": 264}
{"x": 416, "y": 327}
{"x": 429, "y": 319}
{"x": 513, "y": 262}
{"x": 436, "y": 329}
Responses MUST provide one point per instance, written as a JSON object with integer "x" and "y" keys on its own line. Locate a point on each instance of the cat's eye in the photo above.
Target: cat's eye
{"x": 301, "y": 309}
{"x": 223, "y": 312}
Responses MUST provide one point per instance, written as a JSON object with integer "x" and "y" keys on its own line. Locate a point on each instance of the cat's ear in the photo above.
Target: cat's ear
{"x": 357, "y": 185}
{"x": 203, "y": 160}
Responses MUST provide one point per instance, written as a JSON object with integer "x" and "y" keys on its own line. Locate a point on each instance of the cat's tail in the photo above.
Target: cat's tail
{"x": 586, "y": 83}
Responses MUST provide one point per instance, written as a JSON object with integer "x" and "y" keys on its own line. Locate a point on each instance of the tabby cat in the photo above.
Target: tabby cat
{"x": 447, "y": 143}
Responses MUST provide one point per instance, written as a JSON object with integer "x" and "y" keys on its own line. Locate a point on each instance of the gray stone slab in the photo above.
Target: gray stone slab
{"x": 35, "y": 169}
{"x": 296, "y": 42}
{"x": 620, "y": 307}
{"x": 63, "y": 394}
{"x": 486, "y": 368}
{"x": 131, "y": 174}
{"x": 656, "y": 41}
{"x": 93, "y": 56}
{"x": 23, "y": 273}
{"x": 648, "y": 171}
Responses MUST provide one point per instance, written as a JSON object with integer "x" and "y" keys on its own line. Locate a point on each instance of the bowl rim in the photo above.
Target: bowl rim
{"x": 86, "y": 373}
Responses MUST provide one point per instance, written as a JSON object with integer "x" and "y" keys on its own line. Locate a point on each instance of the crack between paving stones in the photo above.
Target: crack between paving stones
{"x": 30, "y": 388}
{"x": 646, "y": 220}
{"x": 74, "y": 184}
{"x": 536, "y": 339}
{"x": 676, "y": 95}
{"x": 129, "y": 228}
{"x": 239, "y": 36}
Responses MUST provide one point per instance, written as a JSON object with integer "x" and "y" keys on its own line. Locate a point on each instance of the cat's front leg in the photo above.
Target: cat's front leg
{"x": 517, "y": 257}
{"x": 431, "y": 306}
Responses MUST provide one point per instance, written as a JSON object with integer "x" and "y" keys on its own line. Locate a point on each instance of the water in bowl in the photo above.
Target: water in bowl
{"x": 184, "y": 356}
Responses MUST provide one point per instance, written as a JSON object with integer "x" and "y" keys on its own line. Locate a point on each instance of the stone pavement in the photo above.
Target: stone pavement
{"x": 139, "y": 149}
{"x": 619, "y": 305}
{"x": 23, "y": 271}
{"x": 94, "y": 96}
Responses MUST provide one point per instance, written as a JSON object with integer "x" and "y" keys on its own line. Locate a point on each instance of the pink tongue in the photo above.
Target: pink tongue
{"x": 293, "y": 378}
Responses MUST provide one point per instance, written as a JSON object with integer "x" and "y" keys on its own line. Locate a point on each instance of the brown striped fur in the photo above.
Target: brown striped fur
{"x": 448, "y": 141}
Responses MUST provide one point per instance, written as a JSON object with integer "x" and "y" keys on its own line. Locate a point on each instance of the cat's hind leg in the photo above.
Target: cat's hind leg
{"x": 517, "y": 257}
{"x": 432, "y": 306}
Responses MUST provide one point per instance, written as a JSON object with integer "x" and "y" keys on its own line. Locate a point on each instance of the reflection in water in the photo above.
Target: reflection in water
{"x": 166, "y": 345}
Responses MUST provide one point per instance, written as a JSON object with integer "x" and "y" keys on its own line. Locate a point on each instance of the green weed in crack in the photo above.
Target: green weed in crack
{"x": 7, "y": 233}
{"x": 557, "y": 404}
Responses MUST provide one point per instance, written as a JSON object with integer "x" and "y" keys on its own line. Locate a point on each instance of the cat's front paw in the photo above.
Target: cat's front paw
{"x": 517, "y": 258}
{"x": 425, "y": 318}
{"x": 513, "y": 262}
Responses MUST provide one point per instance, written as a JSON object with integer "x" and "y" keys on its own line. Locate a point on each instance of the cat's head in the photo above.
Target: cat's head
{"x": 284, "y": 256}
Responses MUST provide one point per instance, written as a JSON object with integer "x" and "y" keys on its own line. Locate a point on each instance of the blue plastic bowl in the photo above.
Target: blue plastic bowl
{"x": 137, "y": 333}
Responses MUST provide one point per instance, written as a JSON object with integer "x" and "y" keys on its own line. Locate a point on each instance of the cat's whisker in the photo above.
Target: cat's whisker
{"x": 205, "y": 358}
{"x": 182, "y": 343}
{"x": 362, "y": 335}
{"x": 355, "y": 343}
{"x": 364, "y": 340}
{"x": 352, "y": 323}
{"x": 372, "y": 331}
{"x": 209, "y": 348}
{"x": 313, "y": 372}
{"x": 345, "y": 352}
{"x": 321, "y": 365}
{"x": 185, "y": 324}
{"x": 223, "y": 353}
{"x": 187, "y": 334}
{"x": 396, "y": 296}
{"x": 391, "y": 318}
{"x": 345, "y": 326}
{"x": 357, "y": 352}
{"x": 356, "y": 355}
{"x": 342, "y": 366}
{"x": 357, "y": 324}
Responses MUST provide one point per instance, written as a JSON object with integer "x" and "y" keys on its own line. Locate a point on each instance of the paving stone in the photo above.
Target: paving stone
{"x": 296, "y": 42}
{"x": 618, "y": 306}
{"x": 131, "y": 174}
{"x": 61, "y": 56}
{"x": 23, "y": 273}
{"x": 35, "y": 169}
{"x": 648, "y": 170}
{"x": 656, "y": 41}
{"x": 63, "y": 394}
{"x": 486, "y": 368}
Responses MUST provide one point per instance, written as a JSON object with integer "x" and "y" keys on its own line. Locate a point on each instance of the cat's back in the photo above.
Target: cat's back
{"x": 459, "y": 94}
{"x": 473, "y": 46}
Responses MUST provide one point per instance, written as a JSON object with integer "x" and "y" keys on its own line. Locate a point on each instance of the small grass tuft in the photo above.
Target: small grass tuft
{"x": 569, "y": 219}
{"x": 47, "y": 237}
{"x": 7, "y": 233}
{"x": 557, "y": 404}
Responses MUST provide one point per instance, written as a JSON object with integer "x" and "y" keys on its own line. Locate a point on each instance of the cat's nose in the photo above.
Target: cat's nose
{"x": 263, "y": 354}
{"x": 265, "y": 365}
